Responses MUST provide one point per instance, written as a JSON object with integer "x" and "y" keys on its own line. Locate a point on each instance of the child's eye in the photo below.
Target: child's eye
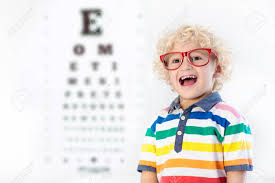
{"x": 195, "y": 58}
{"x": 176, "y": 60}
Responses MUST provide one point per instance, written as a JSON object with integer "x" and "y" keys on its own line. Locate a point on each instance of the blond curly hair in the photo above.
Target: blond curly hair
{"x": 206, "y": 39}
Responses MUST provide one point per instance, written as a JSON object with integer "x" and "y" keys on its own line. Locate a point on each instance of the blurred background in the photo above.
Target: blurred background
{"x": 77, "y": 85}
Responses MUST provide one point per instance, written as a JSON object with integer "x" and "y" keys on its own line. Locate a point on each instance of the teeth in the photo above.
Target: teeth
{"x": 190, "y": 76}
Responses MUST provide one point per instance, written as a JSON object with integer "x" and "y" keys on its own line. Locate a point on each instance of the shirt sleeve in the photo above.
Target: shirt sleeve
{"x": 237, "y": 145}
{"x": 147, "y": 158}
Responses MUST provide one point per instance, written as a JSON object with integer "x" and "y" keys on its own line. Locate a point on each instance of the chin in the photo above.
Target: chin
{"x": 188, "y": 95}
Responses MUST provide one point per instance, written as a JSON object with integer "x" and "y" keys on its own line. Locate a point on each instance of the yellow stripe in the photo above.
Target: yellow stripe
{"x": 148, "y": 148}
{"x": 165, "y": 149}
{"x": 197, "y": 146}
{"x": 241, "y": 145}
{"x": 205, "y": 147}
{"x": 192, "y": 146}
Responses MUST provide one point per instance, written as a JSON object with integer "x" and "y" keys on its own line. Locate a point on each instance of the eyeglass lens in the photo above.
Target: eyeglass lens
{"x": 196, "y": 57}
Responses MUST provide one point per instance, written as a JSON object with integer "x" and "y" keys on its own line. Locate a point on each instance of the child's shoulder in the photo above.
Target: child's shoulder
{"x": 164, "y": 111}
{"x": 228, "y": 111}
{"x": 157, "y": 117}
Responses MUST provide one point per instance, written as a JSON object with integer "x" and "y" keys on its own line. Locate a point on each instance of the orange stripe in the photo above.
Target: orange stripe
{"x": 238, "y": 162}
{"x": 148, "y": 163}
{"x": 203, "y": 164}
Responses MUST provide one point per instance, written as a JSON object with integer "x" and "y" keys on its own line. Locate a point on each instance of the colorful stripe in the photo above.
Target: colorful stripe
{"x": 189, "y": 130}
{"x": 238, "y": 162}
{"x": 234, "y": 129}
{"x": 191, "y": 179}
{"x": 241, "y": 145}
{"x": 201, "y": 164}
{"x": 147, "y": 163}
{"x": 209, "y": 115}
{"x": 228, "y": 108}
{"x": 148, "y": 148}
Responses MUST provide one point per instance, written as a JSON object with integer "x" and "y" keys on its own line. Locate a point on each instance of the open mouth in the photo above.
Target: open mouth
{"x": 188, "y": 80}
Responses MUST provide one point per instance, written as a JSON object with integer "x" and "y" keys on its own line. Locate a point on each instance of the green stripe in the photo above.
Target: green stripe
{"x": 237, "y": 129}
{"x": 190, "y": 130}
{"x": 166, "y": 133}
{"x": 150, "y": 133}
{"x": 203, "y": 131}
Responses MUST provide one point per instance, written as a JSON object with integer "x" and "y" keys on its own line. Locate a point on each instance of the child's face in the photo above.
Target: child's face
{"x": 205, "y": 75}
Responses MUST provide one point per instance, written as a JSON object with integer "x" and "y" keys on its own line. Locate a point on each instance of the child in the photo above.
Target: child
{"x": 199, "y": 137}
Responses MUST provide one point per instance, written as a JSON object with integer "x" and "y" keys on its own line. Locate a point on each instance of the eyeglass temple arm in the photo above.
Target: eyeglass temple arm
{"x": 214, "y": 52}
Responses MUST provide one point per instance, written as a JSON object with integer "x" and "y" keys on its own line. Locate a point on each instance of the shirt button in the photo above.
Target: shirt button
{"x": 179, "y": 133}
{"x": 182, "y": 117}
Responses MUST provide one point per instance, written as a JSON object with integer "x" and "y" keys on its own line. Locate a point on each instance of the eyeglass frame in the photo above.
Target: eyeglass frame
{"x": 183, "y": 54}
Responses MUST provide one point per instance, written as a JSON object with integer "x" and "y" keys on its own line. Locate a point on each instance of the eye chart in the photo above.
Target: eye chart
{"x": 93, "y": 111}
{"x": 100, "y": 92}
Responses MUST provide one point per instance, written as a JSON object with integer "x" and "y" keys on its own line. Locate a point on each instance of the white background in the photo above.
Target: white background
{"x": 36, "y": 39}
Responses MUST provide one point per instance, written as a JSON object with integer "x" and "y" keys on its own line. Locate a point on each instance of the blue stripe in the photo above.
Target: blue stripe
{"x": 146, "y": 168}
{"x": 209, "y": 115}
{"x": 160, "y": 120}
{"x": 193, "y": 115}
{"x": 238, "y": 167}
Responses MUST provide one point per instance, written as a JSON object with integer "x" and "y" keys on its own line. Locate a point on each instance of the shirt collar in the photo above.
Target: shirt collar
{"x": 206, "y": 103}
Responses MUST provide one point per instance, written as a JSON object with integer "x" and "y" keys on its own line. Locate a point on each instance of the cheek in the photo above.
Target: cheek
{"x": 206, "y": 76}
{"x": 209, "y": 70}
{"x": 171, "y": 76}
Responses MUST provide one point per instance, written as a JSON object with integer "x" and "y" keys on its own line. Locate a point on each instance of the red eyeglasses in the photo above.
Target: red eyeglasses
{"x": 198, "y": 57}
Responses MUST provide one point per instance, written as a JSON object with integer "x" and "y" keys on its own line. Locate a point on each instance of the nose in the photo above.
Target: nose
{"x": 185, "y": 65}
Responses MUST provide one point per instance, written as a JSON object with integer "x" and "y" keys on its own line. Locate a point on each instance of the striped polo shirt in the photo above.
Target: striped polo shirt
{"x": 199, "y": 144}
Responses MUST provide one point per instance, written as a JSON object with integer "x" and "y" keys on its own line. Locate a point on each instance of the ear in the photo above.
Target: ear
{"x": 217, "y": 71}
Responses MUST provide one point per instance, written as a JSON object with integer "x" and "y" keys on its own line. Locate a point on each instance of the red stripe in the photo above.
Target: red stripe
{"x": 191, "y": 179}
{"x": 166, "y": 109}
